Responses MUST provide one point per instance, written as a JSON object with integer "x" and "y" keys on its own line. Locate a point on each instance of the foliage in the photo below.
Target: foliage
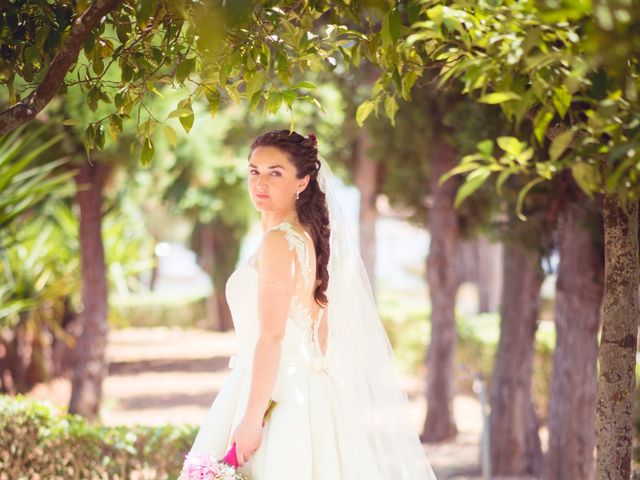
{"x": 40, "y": 287}
{"x": 221, "y": 51}
{"x": 477, "y": 341}
{"x": 40, "y": 441}
{"x": 406, "y": 151}
{"x": 39, "y": 273}
{"x": 23, "y": 182}
{"x": 543, "y": 61}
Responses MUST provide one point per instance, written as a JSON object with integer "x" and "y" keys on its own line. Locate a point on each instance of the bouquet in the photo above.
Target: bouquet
{"x": 205, "y": 467}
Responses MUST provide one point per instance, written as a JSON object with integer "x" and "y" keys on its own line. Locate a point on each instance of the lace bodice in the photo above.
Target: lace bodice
{"x": 301, "y": 331}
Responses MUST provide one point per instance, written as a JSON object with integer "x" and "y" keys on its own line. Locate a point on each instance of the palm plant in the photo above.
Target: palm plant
{"x": 23, "y": 184}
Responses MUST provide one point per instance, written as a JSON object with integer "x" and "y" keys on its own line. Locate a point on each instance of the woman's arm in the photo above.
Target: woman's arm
{"x": 276, "y": 283}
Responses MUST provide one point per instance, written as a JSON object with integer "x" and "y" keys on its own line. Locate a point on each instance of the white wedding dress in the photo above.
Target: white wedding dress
{"x": 303, "y": 439}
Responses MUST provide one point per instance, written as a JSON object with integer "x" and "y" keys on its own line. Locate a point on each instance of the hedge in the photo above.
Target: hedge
{"x": 40, "y": 441}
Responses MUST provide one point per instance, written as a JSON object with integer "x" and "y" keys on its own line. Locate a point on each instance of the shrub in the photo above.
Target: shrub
{"x": 38, "y": 441}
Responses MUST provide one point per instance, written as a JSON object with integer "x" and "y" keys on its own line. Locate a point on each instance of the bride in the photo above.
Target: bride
{"x": 309, "y": 338}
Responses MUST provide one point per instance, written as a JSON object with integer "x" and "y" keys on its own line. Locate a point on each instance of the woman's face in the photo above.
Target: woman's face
{"x": 272, "y": 180}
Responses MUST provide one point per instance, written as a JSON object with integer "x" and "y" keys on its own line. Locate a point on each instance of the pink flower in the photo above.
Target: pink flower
{"x": 206, "y": 467}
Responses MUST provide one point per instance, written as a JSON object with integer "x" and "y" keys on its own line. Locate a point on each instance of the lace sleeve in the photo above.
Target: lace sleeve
{"x": 297, "y": 243}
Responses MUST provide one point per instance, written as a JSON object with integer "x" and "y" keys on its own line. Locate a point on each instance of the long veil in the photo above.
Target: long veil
{"x": 374, "y": 409}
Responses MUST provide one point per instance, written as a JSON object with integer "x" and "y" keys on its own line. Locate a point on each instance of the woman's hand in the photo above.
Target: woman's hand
{"x": 247, "y": 438}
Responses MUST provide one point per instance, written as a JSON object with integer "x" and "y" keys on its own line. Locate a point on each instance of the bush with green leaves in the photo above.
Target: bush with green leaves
{"x": 40, "y": 281}
{"x": 38, "y": 440}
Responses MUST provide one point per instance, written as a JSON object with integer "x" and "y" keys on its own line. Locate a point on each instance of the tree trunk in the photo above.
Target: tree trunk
{"x": 90, "y": 368}
{"x": 618, "y": 342}
{"x": 217, "y": 246}
{"x": 224, "y": 313}
{"x": 366, "y": 180}
{"x": 513, "y": 424}
{"x": 480, "y": 263}
{"x": 226, "y": 250}
{"x": 206, "y": 259}
{"x": 63, "y": 349}
{"x": 489, "y": 279}
{"x": 41, "y": 364}
{"x": 579, "y": 288}
{"x": 20, "y": 354}
{"x": 467, "y": 263}
{"x": 442, "y": 277}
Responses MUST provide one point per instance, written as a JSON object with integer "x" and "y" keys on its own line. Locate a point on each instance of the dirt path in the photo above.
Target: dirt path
{"x": 167, "y": 375}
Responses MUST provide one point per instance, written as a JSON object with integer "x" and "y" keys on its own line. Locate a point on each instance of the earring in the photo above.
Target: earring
{"x": 297, "y": 195}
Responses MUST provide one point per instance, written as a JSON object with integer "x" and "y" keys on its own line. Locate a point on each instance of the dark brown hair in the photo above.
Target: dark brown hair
{"x": 311, "y": 206}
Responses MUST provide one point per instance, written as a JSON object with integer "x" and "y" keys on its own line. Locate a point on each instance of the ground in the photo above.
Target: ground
{"x": 171, "y": 375}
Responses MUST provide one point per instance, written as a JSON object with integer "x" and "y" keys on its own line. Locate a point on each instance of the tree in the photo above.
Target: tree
{"x": 544, "y": 64}
{"x": 579, "y": 288}
{"x": 430, "y": 134}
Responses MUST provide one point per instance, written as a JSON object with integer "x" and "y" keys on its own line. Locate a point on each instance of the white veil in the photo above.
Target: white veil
{"x": 374, "y": 409}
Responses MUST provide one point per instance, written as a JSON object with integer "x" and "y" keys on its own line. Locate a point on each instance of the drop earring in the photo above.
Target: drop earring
{"x": 297, "y": 195}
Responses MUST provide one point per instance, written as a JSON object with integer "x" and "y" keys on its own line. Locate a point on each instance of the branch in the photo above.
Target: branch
{"x": 25, "y": 110}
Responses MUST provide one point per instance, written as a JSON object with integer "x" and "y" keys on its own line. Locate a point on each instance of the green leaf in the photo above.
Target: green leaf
{"x": 408, "y": 80}
{"x": 147, "y": 152}
{"x": 152, "y": 88}
{"x": 32, "y": 55}
{"x": 88, "y": 139}
{"x": 499, "y": 97}
{"x": 462, "y": 168}
{"x": 127, "y": 73}
{"x": 89, "y": 43}
{"x": 385, "y": 35}
{"x": 274, "y": 100}
{"x": 560, "y": 144}
{"x": 170, "y": 135}
{"x": 99, "y": 137}
{"x": 115, "y": 126}
{"x": 363, "y": 111}
{"x": 213, "y": 97}
{"x": 395, "y": 25}
{"x": 289, "y": 97}
{"x": 474, "y": 181}
{"x": 486, "y": 147}
{"x": 180, "y": 112}
{"x": 541, "y": 122}
{"x": 561, "y": 98}
{"x": 390, "y": 108}
{"x": 421, "y": 35}
{"x": 524, "y": 157}
{"x": 187, "y": 122}
{"x": 255, "y": 101}
{"x": 587, "y": 177}
{"x": 511, "y": 145}
{"x": 523, "y": 193}
{"x": 143, "y": 12}
{"x": 254, "y": 84}
{"x": 98, "y": 66}
{"x": 185, "y": 69}
{"x": 304, "y": 84}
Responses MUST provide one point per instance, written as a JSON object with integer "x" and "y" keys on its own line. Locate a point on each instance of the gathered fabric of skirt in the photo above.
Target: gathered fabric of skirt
{"x": 304, "y": 437}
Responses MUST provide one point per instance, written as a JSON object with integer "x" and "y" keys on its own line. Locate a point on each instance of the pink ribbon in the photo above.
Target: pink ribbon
{"x": 231, "y": 458}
